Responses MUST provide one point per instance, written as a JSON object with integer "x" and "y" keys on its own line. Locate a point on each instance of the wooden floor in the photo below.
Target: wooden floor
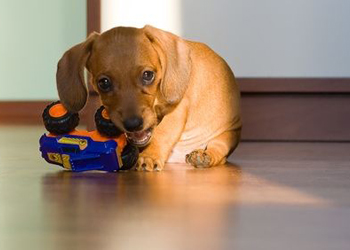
{"x": 271, "y": 196}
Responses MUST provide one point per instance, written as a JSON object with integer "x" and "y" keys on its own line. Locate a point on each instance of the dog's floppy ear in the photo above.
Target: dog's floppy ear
{"x": 70, "y": 75}
{"x": 175, "y": 60}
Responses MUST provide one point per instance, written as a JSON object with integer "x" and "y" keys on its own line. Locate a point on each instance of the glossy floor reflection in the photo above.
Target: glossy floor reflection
{"x": 272, "y": 196}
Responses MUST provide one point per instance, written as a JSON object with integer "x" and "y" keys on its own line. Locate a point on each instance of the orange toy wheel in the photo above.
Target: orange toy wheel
{"x": 104, "y": 114}
{"x": 58, "y": 120}
{"x": 104, "y": 125}
{"x": 58, "y": 110}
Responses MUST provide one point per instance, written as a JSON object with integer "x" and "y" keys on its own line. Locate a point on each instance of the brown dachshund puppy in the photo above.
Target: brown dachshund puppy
{"x": 177, "y": 99}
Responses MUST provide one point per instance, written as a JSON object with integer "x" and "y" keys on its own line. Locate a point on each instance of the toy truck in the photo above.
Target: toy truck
{"x": 105, "y": 148}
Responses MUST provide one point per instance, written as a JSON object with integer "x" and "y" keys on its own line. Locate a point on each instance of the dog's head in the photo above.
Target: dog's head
{"x": 140, "y": 75}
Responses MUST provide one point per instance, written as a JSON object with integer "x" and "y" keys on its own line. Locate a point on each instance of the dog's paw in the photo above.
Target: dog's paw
{"x": 149, "y": 163}
{"x": 199, "y": 158}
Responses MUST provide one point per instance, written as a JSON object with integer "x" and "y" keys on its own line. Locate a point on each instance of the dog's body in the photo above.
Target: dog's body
{"x": 212, "y": 101}
{"x": 157, "y": 85}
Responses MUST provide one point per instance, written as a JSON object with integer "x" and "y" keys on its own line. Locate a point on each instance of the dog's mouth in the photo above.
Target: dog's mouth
{"x": 140, "y": 138}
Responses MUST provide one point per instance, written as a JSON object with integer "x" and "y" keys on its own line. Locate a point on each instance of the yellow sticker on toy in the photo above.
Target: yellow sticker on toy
{"x": 66, "y": 163}
{"x": 60, "y": 159}
{"x": 55, "y": 157}
{"x": 82, "y": 143}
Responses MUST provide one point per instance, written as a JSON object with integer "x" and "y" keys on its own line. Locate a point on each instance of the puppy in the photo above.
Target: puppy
{"x": 176, "y": 99}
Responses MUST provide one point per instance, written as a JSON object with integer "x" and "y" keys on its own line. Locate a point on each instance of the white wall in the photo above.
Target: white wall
{"x": 164, "y": 14}
{"x": 305, "y": 38}
{"x": 34, "y": 35}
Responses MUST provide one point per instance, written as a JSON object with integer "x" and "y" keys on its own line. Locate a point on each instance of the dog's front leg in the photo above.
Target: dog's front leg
{"x": 165, "y": 135}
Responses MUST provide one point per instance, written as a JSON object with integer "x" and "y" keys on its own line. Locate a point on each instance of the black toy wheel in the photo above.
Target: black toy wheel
{"x": 130, "y": 155}
{"x": 104, "y": 125}
{"x": 58, "y": 120}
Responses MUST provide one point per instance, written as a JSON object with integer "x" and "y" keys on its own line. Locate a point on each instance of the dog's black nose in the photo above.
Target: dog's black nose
{"x": 133, "y": 123}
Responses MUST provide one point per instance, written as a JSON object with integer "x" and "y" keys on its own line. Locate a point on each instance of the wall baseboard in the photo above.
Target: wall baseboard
{"x": 26, "y": 112}
{"x": 296, "y": 117}
{"x": 295, "y": 109}
{"x": 22, "y": 112}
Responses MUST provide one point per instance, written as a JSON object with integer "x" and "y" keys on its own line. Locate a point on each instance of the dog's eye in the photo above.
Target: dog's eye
{"x": 104, "y": 84}
{"x": 148, "y": 77}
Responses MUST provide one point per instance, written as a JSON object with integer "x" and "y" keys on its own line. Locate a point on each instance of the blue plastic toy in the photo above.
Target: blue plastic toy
{"x": 103, "y": 149}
